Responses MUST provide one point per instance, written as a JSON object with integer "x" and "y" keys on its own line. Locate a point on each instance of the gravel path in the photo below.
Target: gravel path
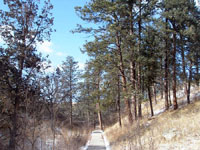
{"x": 97, "y": 141}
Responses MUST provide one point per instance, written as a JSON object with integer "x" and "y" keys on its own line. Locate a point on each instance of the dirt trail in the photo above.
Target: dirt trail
{"x": 97, "y": 141}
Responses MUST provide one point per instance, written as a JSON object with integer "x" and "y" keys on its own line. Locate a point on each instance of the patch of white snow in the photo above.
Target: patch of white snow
{"x": 157, "y": 112}
{"x": 107, "y": 144}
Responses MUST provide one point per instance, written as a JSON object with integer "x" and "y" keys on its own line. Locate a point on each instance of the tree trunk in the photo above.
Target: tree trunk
{"x": 134, "y": 86}
{"x": 118, "y": 102}
{"x": 197, "y": 74}
{"x": 13, "y": 133}
{"x": 98, "y": 104}
{"x": 33, "y": 133}
{"x": 88, "y": 118}
{"x": 124, "y": 82}
{"x": 132, "y": 63}
{"x": 100, "y": 117}
{"x": 71, "y": 105}
{"x": 13, "y": 130}
{"x": 166, "y": 86}
{"x": 170, "y": 102}
{"x": 161, "y": 78}
{"x": 88, "y": 105}
{"x": 54, "y": 137}
{"x": 189, "y": 83}
{"x": 139, "y": 66}
{"x": 197, "y": 77}
{"x": 94, "y": 120}
{"x": 53, "y": 124}
{"x": 13, "y": 117}
{"x": 183, "y": 66}
{"x": 41, "y": 145}
{"x": 139, "y": 91}
{"x": 166, "y": 69}
{"x": 26, "y": 119}
{"x": 154, "y": 90}
{"x": 150, "y": 101}
{"x": 127, "y": 101}
{"x": 175, "y": 104}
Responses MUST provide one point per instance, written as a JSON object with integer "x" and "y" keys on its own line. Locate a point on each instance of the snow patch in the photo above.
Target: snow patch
{"x": 157, "y": 112}
{"x": 107, "y": 144}
{"x": 180, "y": 93}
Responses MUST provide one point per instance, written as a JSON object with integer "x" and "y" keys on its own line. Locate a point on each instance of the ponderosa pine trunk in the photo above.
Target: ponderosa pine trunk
{"x": 150, "y": 100}
{"x": 189, "y": 83}
{"x": 100, "y": 117}
{"x": 183, "y": 66}
{"x": 161, "y": 79}
{"x": 71, "y": 103}
{"x": 88, "y": 118}
{"x": 33, "y": 134}
{"x": 169, "y": 91}
{"x": 13, "y": 130}
{"x": 13, "y": 117}
{"x": 88, "y": 105}
{"x": 118, "y": 102}
{"x": 134, "y": 86}
{"x": 132, "y": 61}
{"x": 197, "y": 77}
{"x": 197, "y": 74}
{"x": 139, "y": 66}
{"x": 124, "y": 82}
{"x": 94, "y": 120}
{"x": 154, "y": 90}
{"x": 53, "y": 123}
{"x": 126, "y": 100}
{"x": 166, "y": 69}
{"x": 139, "y": 91}
{"x": 175, "y": 104}
{"x": 98, "y": 102}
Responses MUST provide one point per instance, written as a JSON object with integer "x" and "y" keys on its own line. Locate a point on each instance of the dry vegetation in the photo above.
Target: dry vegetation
{"x": 41, "y": 138}
{"x": 177, "y": 130}
{"x": 65, "y": 139}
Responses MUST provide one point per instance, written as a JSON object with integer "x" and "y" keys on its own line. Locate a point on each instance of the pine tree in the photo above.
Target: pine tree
{"x": 70, "y": 76}
{"x": 21, "y": 27}
{"x": 91, "y": 14}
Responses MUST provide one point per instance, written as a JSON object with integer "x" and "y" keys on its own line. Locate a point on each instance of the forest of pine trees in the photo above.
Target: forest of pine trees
{"x": 140, "y": 49}
{"x": 145, "y": 47}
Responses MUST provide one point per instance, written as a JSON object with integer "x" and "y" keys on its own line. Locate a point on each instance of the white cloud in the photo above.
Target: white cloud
{"x": 45, "y": 47}
{"x": 60, "y": 54}
{"x": 81, "y": 65}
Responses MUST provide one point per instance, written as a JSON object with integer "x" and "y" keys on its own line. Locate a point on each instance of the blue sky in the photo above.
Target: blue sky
{"x": 63, "y": 43}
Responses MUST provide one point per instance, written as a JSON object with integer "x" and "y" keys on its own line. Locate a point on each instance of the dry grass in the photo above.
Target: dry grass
{"x": 65, "y": 138}
{"x": 73, "y": 140}
{"x": 177, "y": 130}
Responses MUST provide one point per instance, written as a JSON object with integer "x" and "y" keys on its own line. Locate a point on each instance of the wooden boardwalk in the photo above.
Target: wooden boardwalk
{"x": 97, "y": 141}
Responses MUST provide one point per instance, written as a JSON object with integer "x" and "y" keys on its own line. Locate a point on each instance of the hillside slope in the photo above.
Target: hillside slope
{"x": 167, "y": 130}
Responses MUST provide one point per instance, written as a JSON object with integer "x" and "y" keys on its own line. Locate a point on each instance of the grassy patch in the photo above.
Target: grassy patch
{"x": 178, "y": 129}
